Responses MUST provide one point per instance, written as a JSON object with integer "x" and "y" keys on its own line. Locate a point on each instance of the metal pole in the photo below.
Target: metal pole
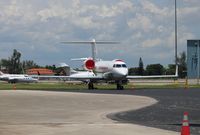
{"x": 175, "y": 35}
{"x": 93, "y": 50}
{"x": 198, "y": 62}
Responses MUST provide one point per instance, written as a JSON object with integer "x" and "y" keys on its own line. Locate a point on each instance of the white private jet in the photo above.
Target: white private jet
{"x": 100, "y": 70}
{"x": 15, "y": 78}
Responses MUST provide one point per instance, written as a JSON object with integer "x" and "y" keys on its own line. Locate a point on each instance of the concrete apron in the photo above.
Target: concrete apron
{"x": 66, "y": 113}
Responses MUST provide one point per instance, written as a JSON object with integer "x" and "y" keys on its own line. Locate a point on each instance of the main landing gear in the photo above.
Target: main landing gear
{"x": 119, "y": 85}
{"x": 90, "y": 86}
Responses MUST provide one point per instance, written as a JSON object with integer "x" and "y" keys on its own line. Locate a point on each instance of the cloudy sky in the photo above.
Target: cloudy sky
{"x": 145, "y": 29}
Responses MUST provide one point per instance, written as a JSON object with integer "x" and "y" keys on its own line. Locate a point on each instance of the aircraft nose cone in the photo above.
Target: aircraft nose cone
{"x": 122, "y": 72}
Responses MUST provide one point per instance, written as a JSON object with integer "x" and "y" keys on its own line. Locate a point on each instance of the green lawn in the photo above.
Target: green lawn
{"x": 41, "y": 86}
{"x": 70, "y": 86}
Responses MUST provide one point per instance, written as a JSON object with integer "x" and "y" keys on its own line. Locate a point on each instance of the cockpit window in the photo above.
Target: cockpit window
{"x": 119, "y": 65}
{"x": 123, "y": 65}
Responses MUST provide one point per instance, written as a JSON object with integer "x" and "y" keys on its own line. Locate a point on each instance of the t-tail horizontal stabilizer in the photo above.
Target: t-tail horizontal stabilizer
{"x": 93, "y": 43}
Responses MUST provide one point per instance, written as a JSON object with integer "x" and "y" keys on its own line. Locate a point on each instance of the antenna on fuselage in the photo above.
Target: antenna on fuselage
{"x": 93, "y": 43}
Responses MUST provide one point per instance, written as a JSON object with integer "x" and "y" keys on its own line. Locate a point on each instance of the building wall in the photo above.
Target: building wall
{"x": 192, "y": 58}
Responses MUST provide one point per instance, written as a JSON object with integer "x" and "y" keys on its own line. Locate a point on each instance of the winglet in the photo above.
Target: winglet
{"x": 1, "y": 73}
{"x": 176, "y": 74}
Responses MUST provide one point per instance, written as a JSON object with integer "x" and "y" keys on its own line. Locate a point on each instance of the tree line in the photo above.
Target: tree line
{"x": 14, "y": 65}
{"x": 158, "y": 69}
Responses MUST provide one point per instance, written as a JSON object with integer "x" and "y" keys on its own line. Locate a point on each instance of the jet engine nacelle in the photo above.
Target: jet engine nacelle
{"x": 89, "y": 64}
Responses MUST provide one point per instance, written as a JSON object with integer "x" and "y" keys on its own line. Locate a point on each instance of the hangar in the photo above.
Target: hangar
{"x": 41, "y": 71}
{"x": 193, "y": 59}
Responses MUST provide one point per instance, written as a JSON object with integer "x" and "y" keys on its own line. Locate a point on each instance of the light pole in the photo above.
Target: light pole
{"x": 198, "y": 62}
{"x": 175, "y": 35}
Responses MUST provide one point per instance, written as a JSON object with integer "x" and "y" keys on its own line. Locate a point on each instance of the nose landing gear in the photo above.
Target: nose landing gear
{"x": 90, "y": 86}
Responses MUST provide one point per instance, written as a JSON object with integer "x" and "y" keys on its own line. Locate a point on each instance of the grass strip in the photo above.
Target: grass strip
{"x": 74, "y": 86}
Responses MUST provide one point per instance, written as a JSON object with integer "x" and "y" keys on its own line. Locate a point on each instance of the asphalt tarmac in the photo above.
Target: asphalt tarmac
{"x": 22, "y": 112}
{"x": 25, "y": 112}
{"x": 168, "y": 112}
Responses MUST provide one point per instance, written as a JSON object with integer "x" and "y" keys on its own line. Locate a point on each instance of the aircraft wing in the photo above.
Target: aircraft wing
{"x": 71, "y": 77}
{"x": 151, "y": 77}
{"x": 155, "y": 76}
{"x": 78, "y": 76}
{"x": 90, "y": 42}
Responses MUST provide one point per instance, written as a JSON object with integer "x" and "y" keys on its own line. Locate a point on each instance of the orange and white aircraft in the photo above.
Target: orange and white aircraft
{"x": 100, "y": 70}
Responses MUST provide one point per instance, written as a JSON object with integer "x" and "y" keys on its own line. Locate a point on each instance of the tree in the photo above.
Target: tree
{"x": 141, "y": 67}
{"x": 15, "y": 65}
{"x": 133, "y": 71}
{"x": 171, "y": 69}
{"x": 51, "y": 67}
{"x": 5, "y": 64}
{"x": 27, "y": 64}
{"x": 181, "y": 60}
{"x": 154, "y": 69}
{"x": 12, "y": 64}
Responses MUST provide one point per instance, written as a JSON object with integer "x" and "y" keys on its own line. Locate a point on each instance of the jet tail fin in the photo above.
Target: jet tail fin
{"x": 66, "y": 68}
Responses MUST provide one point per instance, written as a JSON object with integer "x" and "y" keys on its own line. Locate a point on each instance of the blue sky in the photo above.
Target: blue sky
{"x": 145, "y": 29}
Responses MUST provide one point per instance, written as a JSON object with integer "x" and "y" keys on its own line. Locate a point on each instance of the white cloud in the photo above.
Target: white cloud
{"x": 139, "y": 25}
{"x": 191, "y": 1}
{"x": 150, "y": 7}
{"x": 116, "y": 9}
{"x": 186, "y": 11}
{"x": 151, "y": 43}
{"x": 141, "y": 22}
{"x": 83, "y": 16}
{"x": 182, "y": 40}
{"x": 86, "y": 22}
